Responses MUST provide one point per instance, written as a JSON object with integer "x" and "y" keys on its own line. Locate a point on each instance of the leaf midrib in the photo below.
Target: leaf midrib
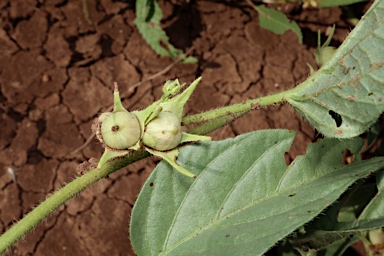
{"x": 224, "y": 217}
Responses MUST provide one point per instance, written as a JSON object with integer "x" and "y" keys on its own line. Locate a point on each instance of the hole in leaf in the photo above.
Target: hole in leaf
{"x": 292, "y": 195}
{"x": 287, "y": 158}
{"x": 151, "y": 184}
{"x": 348, "y": 157}
{"x": 338, "y": 119}
{"x": 370, "y": 94}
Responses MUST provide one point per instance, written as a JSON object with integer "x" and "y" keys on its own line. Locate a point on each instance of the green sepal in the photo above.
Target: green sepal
{"x": 137, "y": 146}
{"x": 170, "y": 156}
{"x": 108, "y": 155}
{"x": 153, "y": 115}
{"x": 176, "y": 104}
{"x": 143, "y": 115}
{"x": 193, "y": 137}
{"x": 117, "y": 105}
{"x": 311, "y": 69}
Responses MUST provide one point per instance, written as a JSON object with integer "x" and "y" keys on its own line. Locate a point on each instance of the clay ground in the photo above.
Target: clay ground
{"x": 56, "y": 74}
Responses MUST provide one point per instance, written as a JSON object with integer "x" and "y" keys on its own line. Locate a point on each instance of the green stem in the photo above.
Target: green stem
{"x": 213, "y": 125}
{"x": 240, "y": 108}
{"x": 61, "y": 196}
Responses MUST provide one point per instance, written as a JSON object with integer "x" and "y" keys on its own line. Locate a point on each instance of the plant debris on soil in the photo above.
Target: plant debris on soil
{"x": 57, "y": 69}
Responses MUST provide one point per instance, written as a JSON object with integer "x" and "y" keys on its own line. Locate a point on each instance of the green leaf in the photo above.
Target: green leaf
{"x": 148, "y": 17}
{"x": 375, "y": 209}
{"x": 330, "y": 3}
{"x": 359, "y": 210}
{"x": 244, "y": 198}
{"x": 277, "y": 22}
{"x": 346, "y": 96}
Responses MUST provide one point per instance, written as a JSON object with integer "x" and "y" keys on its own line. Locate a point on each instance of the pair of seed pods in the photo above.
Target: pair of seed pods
{"x": 157, "y": 129}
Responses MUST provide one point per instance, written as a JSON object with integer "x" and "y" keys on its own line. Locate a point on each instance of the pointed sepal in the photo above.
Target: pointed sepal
{"x": 188, "y": 137}
{"x": 117, "y": 105}
{"x": 170, "y": 157}
{"x": 145, "y": 114}
{"x": 108, "y": 155}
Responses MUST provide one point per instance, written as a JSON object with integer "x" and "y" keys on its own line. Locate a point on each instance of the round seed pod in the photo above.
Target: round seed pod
{"x": 164, "y": 132}
{"x": 120, "y": 130}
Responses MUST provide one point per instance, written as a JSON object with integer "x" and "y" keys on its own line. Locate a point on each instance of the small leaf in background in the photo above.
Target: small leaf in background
{"x": 330, "y": 3}
{"x": 346, "y": 96}
{"x": 245, "y": 198}
{"x": 277, "y": 22}
{"x": 148, "y": 17}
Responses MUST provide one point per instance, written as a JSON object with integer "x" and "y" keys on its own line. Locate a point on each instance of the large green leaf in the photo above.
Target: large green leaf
{"x": 346, "y": 95}
{"x": 244, "y": 199}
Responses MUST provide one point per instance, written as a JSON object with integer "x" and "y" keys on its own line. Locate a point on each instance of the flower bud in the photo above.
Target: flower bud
{"x": 324, "y": 54}
{"x": 164, "y": 132}
{"x": 120, "y": 130}
{"x": 171, "y": 88}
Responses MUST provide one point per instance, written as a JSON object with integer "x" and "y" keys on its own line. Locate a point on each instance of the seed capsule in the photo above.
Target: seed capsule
{"x": 120, "y": 130}
{"x": 164, "y": 132}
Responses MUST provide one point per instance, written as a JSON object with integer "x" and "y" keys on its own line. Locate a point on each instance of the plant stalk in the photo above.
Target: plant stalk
{"x": 241, "y": 108}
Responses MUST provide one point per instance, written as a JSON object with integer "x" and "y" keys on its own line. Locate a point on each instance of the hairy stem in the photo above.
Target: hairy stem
{"x": 239, "y": 108}
{"x": 213, "y": 125}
